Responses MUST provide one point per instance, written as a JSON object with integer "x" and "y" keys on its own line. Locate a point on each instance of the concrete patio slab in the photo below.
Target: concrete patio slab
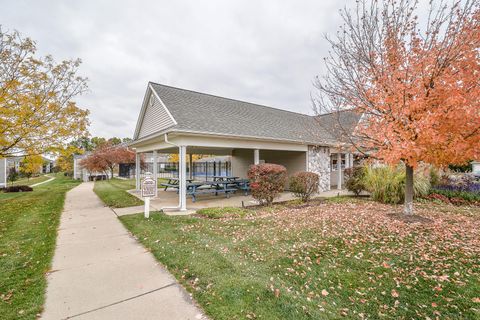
{"x": 169, "y": 198}
{"x": 100, "y": 271}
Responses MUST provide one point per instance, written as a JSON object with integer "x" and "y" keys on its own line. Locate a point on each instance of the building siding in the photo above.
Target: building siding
{"x": 3, "y": 172}
{"x": 242, "y": 159}
{"x": 155, "y": 119}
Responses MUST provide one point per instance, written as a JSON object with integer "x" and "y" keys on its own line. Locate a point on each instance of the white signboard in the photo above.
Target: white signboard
{"x": 149, "y": 189}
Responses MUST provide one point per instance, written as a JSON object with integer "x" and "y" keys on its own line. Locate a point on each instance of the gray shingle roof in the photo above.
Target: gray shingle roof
{"x": 205, "y": 113}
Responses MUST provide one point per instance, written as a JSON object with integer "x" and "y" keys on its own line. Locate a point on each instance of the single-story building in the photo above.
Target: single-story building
{"x": 81, "y": 173}
{"x": 174, "y": 120}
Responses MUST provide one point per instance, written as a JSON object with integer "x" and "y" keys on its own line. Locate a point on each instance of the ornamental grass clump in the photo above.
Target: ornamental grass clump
{"x": 304, "y": 185}
{"x": 387, "y": 184}
{"x": 267, "y": 180}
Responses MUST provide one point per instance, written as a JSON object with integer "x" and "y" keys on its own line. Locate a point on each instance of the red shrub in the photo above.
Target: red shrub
{"x": 304, "y": 184}
{"x": 459, "y": 201}
{"x": 439, "y": 197}
{"x": 17, "y": 189}
{"x": 267, "y": 181}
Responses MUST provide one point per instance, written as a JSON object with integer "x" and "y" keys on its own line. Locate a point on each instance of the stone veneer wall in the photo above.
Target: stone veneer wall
{"x": 319, "y": 162}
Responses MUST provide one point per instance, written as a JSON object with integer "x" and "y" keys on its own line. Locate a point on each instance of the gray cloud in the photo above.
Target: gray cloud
{"x": 260, "y": 51}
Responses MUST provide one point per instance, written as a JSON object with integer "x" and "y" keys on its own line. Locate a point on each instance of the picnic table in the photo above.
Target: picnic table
{"x": 220, "y": 184}
{"x": 202, "y": 187}
{"x": 225, "y": 178}
{"x": 173, "y": 183}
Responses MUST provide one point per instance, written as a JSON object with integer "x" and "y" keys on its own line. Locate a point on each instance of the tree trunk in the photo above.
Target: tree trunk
{"x": 408, "y": 210}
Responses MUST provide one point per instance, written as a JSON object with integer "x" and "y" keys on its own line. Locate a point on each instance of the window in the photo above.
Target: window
{"x": 333, "y": 161}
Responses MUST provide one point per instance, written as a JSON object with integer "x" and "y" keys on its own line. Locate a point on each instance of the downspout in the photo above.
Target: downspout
{"x": 179, "y": 200}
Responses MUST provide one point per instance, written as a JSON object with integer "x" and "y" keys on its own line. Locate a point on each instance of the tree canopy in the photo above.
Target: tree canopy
{"x": 37, "y": 111}
{"x": 31, "y": 164}
{"x": 416, "y": 84}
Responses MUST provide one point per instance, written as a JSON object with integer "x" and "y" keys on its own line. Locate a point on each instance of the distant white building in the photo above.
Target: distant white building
{"x": 79, "y": 173}
{"x": 476, "y": 167}
{"x": 6, "y": 164}
{"x": 3, "y": 173}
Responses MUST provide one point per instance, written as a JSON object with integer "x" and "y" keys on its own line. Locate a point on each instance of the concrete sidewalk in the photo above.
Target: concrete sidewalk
{"x": 100, "y": 271}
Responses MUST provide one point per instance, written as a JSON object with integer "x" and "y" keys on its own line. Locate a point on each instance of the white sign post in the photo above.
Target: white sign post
{"x": 149, "y": 186}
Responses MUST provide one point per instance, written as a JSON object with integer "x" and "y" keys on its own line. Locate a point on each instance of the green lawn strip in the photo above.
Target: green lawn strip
{"x": 114, "y": 193}
{"x": 224, "y": 283}
{"x": 218, "y": 212}
{"x": 29, "y": 182}
{"x": 28, "y": 229}
{"x": 234, "y": 271}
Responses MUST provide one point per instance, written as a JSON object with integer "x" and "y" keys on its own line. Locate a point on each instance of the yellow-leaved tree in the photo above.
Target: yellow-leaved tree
{"x": 173, "y": 157}
{"x": 65, "y": 157}
{"x": 37, "y": 111}
{"x": 31, "y": 165}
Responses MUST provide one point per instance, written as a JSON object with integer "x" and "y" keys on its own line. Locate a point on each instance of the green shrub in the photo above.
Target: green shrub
{"x": 267, "y": 180}
{"x": 12, "y": 175}
{"x": 304, "y": 184}
{"x": 355, "y": 179}
{"x": 387, "y": 184}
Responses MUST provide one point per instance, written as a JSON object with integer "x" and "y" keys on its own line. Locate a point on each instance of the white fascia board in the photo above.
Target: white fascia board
{"x": 220, "y": 143}
{"x": 149, "y": 92}
{"x": 142, "y": 113}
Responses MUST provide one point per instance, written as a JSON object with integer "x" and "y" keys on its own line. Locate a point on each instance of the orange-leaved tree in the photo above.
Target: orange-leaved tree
{"x": 37, "y": 111}
{"x": 415, "y": 83}
{"x": 107, "y": 157}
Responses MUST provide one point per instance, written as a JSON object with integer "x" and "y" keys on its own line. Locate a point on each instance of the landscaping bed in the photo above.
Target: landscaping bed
{"x": 28, "y": 230}
{"x": 345, "y": 257}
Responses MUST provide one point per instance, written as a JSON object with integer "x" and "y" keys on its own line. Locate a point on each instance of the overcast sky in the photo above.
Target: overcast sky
{"x": 266, "y": 52}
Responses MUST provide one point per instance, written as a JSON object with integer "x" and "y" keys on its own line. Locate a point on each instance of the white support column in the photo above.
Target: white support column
{"x": 347, "y": 160}
{"x": 351, "y": 160}
{"x": 182, "y": 175}
{"x": 137, "y": 171}
{"x": 256, "y": 156}
{"x": 339, "y": 171}
{"x": 190, "y": 168}
{"x": 155, "y": 169}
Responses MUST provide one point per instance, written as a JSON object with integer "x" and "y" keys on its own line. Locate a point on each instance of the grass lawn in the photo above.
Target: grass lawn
{"x": 29, "y": 182}
{"x": 114, "y": 193}
{"x": 28, "y": 229}
{"x": 335, "y": 259}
